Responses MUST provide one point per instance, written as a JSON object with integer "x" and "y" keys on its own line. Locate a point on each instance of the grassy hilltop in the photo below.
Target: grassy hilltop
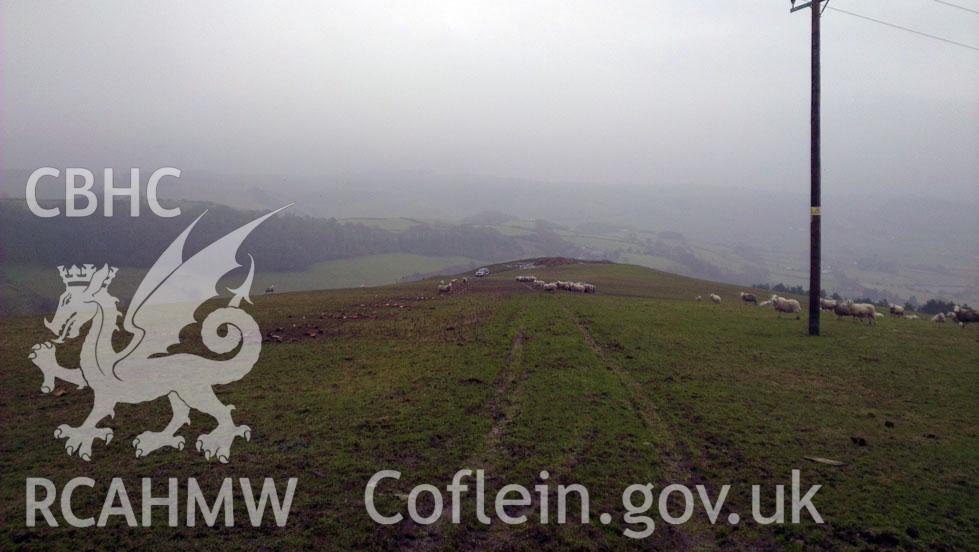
{"x": 636, "y": 384}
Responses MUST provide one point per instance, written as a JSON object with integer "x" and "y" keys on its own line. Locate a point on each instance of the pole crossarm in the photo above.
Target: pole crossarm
{"x": 805, "y": 5}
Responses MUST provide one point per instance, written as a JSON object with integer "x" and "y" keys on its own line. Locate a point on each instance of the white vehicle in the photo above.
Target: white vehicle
{"x": 482, "y": 272}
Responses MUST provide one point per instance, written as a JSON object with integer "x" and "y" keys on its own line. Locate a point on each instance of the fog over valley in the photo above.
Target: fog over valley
{"x": 671, "y": 135}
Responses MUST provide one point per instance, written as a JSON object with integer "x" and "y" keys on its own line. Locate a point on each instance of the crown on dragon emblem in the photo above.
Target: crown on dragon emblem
{"x": 75, "y": 276}
{"x": 163, "y": 304}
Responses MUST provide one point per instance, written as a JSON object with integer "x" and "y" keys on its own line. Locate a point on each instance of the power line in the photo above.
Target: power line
{"x": 969, "y": 46}
{"x": 956, "y": 6}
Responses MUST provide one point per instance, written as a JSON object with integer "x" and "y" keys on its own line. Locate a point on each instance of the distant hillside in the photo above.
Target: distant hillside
{"x": 287, "y": 245}
{"x": 890, "y": 247}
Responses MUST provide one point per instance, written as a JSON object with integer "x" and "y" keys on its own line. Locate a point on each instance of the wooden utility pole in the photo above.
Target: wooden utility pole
{"x": 815, "y": 234}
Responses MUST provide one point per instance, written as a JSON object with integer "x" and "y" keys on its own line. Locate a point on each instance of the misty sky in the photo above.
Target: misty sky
{"x": 649, "y": 92}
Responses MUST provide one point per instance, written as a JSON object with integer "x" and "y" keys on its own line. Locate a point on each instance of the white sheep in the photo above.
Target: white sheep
{"x": 896, "y": 310}
{"x": 764, "y": 303}
{"x": 910, "y": 316}
{"x": 577, "y": 287}
{"x": 444, "y": 287}
{"x": 749, "y": 298}
{"x": 550, "y": 286}
{"x": 589, "y": 288}
{"x": 863, "y": 310}
{"x": 698, "y": 298}
{"x": 715, "y": 298}
{"x": 827, "y": 304}
{"x": 782, "y": 304}
{"x": 939, "y": 318}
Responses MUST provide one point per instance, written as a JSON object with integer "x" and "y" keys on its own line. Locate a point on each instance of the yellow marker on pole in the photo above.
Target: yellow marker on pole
{"x": 814, "y": 211}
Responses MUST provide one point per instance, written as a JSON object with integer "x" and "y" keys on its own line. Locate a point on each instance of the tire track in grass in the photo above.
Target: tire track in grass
{"x": 502, "y": 409}
{"x": 498, "y": 535}
{"x": 696, "y": 534}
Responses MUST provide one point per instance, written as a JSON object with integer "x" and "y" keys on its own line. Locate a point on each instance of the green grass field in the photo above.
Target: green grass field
{"x": 636, "y": 384}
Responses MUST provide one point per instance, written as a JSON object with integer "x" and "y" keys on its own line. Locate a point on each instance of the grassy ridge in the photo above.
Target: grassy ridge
{"x": 636, "y": 384}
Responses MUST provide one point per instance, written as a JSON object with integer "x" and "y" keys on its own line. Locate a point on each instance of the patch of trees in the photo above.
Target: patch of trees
{"x": 782, "y": 288}
{"x": 935, "y": 306}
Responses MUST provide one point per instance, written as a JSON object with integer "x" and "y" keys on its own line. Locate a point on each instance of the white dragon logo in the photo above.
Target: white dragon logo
{"x": 163, "y": 304}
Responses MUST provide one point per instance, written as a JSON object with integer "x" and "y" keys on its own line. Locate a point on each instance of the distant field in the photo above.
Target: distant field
{"x": 636, "y": 384}
{"x": 29, "y": 288}
{"x": 512, "y": 229}
{"x": 393, "y": 224}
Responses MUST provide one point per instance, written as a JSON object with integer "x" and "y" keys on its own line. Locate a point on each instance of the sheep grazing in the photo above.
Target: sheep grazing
{"x": 765, "y": 303}
{"x": 896, "y": 310}
{"x": 863, "y": 310}
{"x": 577, "y": 287}
{"x": 939, "y": 318}
{"x": 525, "y": 278}
{"x": 749, "y": 298}
{"x": 270, "y": 289}
{"x": 553, "y": 286}
{"x": 841, "y": 309}
{"x": 965, "y": 315}
{"x": 878, "y": 315}
{"x": 910, "y": 316}
{"x": 698, "y": 298}
{"x": 589, "y": 288}
{"x": 444, "y": 287}
{"x": 715, "y": 298}
{"x": 781, "y": 304}
{"x": 539, "y": 284}
{"x": 827, "y": 304}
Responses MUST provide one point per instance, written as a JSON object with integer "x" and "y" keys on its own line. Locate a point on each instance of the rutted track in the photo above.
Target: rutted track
{"x": 502, "y": 409}
{"x": 696, "y": 534}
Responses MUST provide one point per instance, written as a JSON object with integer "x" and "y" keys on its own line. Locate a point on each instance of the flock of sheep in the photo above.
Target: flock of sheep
{"x": 960, "y": 315}
{"x": 577, "y": 287}
{"x": 841, "y": 308}
{"x": 780, "y": 304}
{"x": 859, "y": 311}
{"x": 461, "y": 284}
